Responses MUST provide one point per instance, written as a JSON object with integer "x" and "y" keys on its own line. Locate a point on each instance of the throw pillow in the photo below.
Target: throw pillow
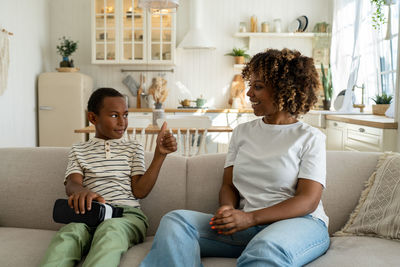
{"x": 378, "y": 211}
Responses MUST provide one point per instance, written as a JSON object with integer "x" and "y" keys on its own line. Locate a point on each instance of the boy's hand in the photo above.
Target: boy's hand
{"x": 166, "y": 142}
{"x": 79, "y": 200}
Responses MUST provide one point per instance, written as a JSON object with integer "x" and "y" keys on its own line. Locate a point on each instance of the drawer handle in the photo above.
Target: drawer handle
{"x": 45, "y": 108}
{"x": 361, "y": 130}
{"x": 335, "y": 124}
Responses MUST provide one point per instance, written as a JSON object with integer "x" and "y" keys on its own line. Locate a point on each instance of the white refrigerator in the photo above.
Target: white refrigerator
{"x": 62, "y": 102}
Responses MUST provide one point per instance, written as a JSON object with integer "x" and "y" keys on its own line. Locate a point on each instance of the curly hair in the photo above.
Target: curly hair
{"x": 95, "y": 102}
{"x": 292, "y": 76}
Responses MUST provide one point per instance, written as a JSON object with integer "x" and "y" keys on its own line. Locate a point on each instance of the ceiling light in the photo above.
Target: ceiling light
{"x": 158, "y": 4}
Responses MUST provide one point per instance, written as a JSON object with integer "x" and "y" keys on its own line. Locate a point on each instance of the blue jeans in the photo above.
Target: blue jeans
{"x": 184, "y": 236}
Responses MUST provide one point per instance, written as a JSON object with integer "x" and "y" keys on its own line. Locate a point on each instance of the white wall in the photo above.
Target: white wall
{"x": 29, "y": 56}
{"x": 202, "y": 72}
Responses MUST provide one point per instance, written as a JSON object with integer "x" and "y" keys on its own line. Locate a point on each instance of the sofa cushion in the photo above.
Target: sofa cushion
{"x": 347, "y": 172}
{"x": 169, "y": 192}
{"x": 360, "y": 251}
{"x": 31, "y": 179}
{"x": 204, "y": 179}
{"x": 377, "y": 213}
{"x": 21, "y": 247}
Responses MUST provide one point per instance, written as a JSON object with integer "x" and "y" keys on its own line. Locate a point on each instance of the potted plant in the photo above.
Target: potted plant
{"x": 239, "y": 54}
{"x": 327, "y": 85}
{"x": 66, "y": 48}
{"x": 382, "y": 103}
{"x": 378, "y": 17}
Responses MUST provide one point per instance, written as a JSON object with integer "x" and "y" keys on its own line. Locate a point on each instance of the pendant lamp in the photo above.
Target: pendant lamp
{"x": 158, "y": 4}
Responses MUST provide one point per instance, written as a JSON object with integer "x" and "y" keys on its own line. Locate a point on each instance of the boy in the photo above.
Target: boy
{"x": 109, "y": 169}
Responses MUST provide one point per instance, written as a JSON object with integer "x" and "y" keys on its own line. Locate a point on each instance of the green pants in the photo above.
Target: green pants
{"x": 103, "y": 245}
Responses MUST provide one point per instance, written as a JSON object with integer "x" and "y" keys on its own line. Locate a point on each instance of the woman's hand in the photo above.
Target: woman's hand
{"x": 228, "y": 220}
{"x": 78, "y": 199}
{"x": 166, "y": 142}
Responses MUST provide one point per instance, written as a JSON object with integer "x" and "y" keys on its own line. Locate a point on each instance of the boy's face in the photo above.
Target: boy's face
{"x": 112, "y": 120}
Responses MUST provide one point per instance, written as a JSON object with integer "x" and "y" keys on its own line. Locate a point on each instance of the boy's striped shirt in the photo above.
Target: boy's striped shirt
{"x": 107, "y": 167}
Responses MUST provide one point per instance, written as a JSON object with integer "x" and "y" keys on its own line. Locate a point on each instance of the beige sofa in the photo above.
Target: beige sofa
{"x": 31, "y": 179}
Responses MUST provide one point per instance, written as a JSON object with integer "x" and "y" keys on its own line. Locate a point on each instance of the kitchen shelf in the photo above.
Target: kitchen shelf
{"x": 252, "y": 35}
{"x": 239, "y": 67}
{"x": 269, "y": 35}
{"x": 280, "y": 34}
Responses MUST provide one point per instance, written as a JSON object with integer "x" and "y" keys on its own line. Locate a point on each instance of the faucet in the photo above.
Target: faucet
{"x": 360, "y": 106}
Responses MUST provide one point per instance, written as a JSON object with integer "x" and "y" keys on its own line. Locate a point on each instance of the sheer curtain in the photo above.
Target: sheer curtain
{"x": 354, "y": 57}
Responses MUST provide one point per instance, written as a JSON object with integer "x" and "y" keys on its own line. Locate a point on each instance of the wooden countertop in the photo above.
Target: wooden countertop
{"x": 151, "y": 129}
{"x": 366, "y": 120}
{"x": 195, "y": 110}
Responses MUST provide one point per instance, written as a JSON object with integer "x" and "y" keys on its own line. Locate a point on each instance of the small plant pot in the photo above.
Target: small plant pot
{"x": 380, "y": 109}
{"x": 326, "y": 104}
{"x": 239, "y": 60}
{"x": 65, "y": 63}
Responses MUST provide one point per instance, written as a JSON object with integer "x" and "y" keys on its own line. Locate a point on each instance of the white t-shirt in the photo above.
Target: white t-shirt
{"x": 268, "y": 159}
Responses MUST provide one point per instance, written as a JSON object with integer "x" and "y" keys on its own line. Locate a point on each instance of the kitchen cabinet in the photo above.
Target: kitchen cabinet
{"x": 335, "y": 135}
{"x": 355, "y": 137}
{"x": 123, "y": 33}
{"x": 314, "y": 119}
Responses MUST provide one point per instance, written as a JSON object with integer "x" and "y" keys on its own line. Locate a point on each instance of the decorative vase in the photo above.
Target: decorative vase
{"x": 327, "y": 104}
{"x": 239, "y": 60}
{"x": 65, "y": 63}
{"x": 158, "y": 114}
{"x": 380, "y": 109}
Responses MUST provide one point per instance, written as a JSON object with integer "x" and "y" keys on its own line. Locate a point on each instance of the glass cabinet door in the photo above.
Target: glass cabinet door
{"x": 105, "y": 30}
{"x": 133, "y": 32}
{"x": 124, "y": 33}
{"x": 161, "y": 36}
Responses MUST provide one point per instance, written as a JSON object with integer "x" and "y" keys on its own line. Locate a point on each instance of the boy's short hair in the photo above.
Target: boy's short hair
{"x": 96, "y": 99}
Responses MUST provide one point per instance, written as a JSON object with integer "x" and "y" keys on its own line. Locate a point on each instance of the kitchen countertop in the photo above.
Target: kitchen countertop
{"x": 366, "y": 120}
{"x": 195, "y": 110}
{"x": 355, "y": 118}
{"x": 151, "y": 129}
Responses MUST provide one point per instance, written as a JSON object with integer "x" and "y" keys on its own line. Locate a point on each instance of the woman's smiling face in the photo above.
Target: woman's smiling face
{"x": 262, "y": 97}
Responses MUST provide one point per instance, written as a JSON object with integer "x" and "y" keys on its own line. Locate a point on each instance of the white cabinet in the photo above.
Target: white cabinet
{"x": 123, "y": 33}
{"x": 348, "y": 136}
{"x": 335, "y": 135}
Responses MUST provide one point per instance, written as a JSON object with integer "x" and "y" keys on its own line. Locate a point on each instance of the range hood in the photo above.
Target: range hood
{"x": 196, "y": 38}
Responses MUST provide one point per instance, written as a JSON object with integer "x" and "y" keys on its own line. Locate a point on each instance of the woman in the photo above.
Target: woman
{"x": 270, "y": 201}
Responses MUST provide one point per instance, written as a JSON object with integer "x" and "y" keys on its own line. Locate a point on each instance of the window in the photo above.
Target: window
{"x": 367, "y": 57}
{"x": 388, "y": 52}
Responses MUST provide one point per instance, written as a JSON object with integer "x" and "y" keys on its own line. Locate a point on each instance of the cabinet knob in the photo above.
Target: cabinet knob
{"x": 335, "y": 124}
{"x": 361, "y": 130}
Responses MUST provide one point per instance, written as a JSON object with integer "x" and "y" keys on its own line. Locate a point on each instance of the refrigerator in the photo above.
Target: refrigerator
{"x": 62, "y": 104}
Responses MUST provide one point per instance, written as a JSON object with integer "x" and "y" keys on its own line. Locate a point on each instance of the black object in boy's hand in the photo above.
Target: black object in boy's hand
{"x": 62, "y": 213}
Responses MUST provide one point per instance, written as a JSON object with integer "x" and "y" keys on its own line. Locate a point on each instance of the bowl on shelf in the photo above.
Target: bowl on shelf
{"x": 185, "y": 103}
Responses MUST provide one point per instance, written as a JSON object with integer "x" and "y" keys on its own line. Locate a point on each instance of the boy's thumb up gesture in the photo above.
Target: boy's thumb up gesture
{"x": 166, "y": 142}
